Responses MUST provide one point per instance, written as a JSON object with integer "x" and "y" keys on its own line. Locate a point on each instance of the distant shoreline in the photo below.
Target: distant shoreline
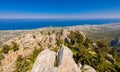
{"x": 26, "y": 24}
{"x": 83, "y": 25}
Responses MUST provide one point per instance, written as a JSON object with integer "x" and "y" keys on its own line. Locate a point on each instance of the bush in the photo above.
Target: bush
{"x": 55, "y": 49}
{"x": 103, "y": 45}
{"x": 15, "y": 47}
{"x": 1, "y": 56}
{"x": 5, "y": 49}
{"x": 22, "y": 65}
{"x": 76, "y": 37}
{"x": 35, "y": 54}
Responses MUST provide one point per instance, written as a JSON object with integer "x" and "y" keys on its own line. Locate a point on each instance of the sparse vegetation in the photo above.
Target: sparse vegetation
{"x": 14, "y": 46}
{"x": 22, "y": 65}
{"x": 1, "y": 57}
{"x": 35, "y": 54}
{"x": 5, "y": 49}
{"x": 55, "y": 49}
{"x": 25, "y": 64}
{"x": 34, "y": 36}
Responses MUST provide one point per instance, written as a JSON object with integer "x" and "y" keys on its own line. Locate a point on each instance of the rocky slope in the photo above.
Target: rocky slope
{"x": 49, "y": 39}
{"x": 45, "y": 38}
{"x": 107, "y": 31}
{"x": 65, "y": 63}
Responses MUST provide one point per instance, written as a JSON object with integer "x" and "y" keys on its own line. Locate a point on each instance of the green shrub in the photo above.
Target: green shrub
{"x": 103, "y": 45}
{"x": 76, "y": 37}
{"x": 5, "y": 49}
{"x": 35, "y": 54}
{"x": 1, "y": 56}
{"x": 59, "y": 42}
{"x": 55, "y": 49}
{"x": 22, "y": 65}
{"x": 14, "y": 46}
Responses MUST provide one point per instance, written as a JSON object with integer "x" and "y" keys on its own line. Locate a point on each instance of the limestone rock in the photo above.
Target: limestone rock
{"x": 46, "y": 59}
{"x": 45, "y": 62}
{"x": 88, "y": 68}
{"x": 110, "y": 58}
{"x": 66, "y": 62}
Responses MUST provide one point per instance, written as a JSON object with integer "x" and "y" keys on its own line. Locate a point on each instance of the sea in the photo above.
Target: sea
{"x": 24, "y": 24}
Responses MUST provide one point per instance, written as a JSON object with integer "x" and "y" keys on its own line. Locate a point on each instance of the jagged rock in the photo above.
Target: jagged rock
{"x": 66, "y": 62}
{"x": 110, "y": 58}
{"x": 88, "y": 68}
{"x": 45, "y": 62}
{"x": 115, "y": 41}
{"x": 115, "y": 44}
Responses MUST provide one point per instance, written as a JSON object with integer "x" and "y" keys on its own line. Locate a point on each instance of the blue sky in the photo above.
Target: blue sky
{"x": 60, "y": 9}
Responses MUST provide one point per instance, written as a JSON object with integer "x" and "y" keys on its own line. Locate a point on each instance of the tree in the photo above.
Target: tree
{"x": 84, "y": 53}
{"x": 103, "y": 45}
{"x": 76, "y": 37}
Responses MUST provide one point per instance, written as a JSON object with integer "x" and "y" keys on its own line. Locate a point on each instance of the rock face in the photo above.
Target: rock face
{"x": 115, "y": 41}
{"x": 46, "y": 59}
{"x": 45, "y": 62}
{"x": 66, "y": 62}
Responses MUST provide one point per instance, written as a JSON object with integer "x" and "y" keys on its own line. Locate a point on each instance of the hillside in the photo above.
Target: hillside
{"x": 86, "y": 45}
{"x": 106, "y": 31}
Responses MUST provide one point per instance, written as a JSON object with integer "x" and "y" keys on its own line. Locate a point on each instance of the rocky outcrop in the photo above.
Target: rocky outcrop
{"x": 88, "y": 68}
{"x": 27, "y": 42}
{"x": 46, "y": 59}
{"x": 66, "y": 62}
{"x": 45, "y": 62}
{"x": 110, "y": 58}
{"x": 115, "y": 44}
{"x": 115, "y": 41}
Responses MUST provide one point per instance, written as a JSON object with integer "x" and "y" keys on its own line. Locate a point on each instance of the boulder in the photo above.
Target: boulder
{"x": 88, "y": 68}
{"x": 45, "y": 62}
{"x": 110, "y": 58}
{"x": 66, "y": 62}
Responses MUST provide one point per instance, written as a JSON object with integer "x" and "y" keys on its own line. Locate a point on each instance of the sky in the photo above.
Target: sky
{"x": 63, "y": 9}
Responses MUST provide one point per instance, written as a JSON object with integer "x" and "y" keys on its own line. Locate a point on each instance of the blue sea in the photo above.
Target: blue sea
{"x": 22, "y": 24}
